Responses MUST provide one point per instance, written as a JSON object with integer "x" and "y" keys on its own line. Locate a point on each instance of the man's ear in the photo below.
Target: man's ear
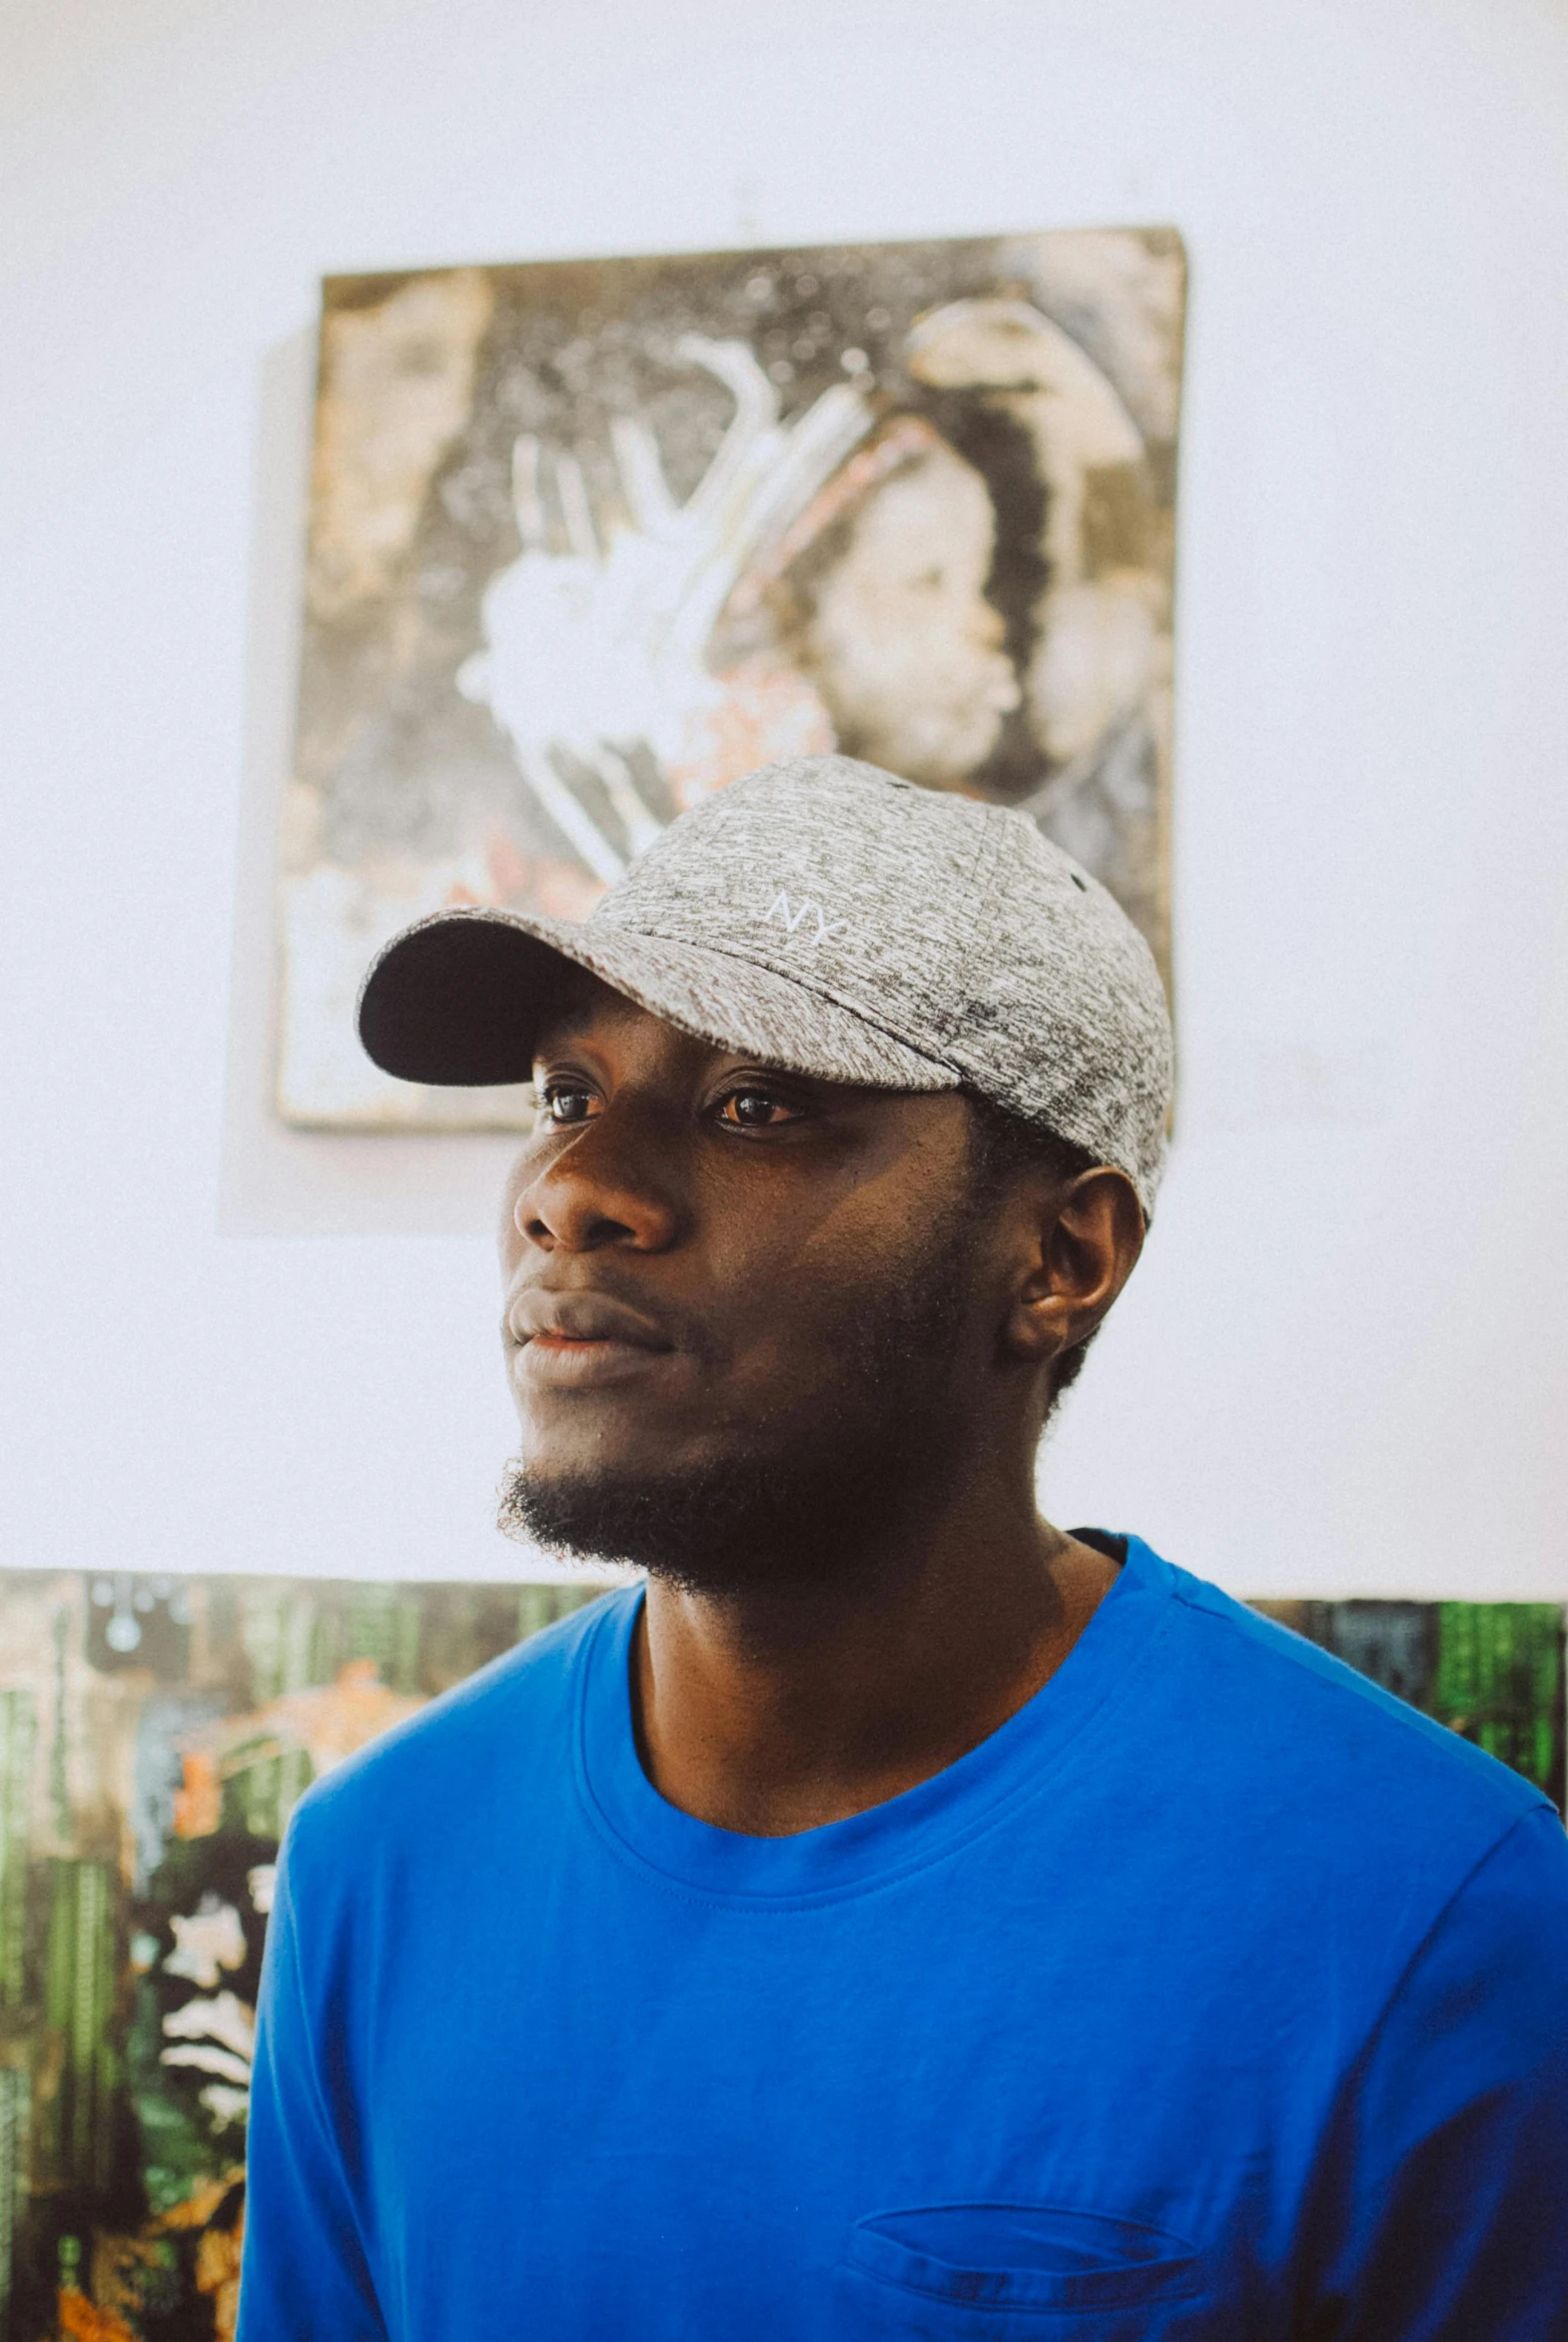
{"x": 1086, "y": 1240}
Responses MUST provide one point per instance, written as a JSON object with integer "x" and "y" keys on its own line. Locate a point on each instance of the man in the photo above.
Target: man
{"x": 899, "y": 1916}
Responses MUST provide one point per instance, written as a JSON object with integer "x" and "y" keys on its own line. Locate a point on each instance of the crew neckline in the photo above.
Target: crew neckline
{"x": 906, "y": 1833}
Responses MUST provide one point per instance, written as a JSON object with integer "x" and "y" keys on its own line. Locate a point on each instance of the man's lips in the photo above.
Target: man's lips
{"x": 580, "y": 1340}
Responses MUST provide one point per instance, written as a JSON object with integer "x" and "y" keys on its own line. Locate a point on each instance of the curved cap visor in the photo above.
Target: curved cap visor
{"x": 460, "y": 998}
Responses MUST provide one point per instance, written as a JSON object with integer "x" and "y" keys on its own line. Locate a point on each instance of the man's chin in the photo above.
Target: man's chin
{"x": 715, "y": 1527}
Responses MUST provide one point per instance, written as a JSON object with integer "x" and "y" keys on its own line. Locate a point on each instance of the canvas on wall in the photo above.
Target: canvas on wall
{"x": 591, "y": 540}
{"x": 155, "y": 1735}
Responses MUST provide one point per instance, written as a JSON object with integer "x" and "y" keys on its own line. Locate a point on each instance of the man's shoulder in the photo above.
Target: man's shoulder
{"x": 1301, "y": 1725}
{"x": 505, "y": 1722}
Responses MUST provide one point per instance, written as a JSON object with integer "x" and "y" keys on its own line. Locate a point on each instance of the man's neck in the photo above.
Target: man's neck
{"x": 777, "y": 1708}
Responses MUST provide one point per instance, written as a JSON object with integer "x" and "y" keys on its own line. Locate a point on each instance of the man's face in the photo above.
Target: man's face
{"x": 743, "y": 1306}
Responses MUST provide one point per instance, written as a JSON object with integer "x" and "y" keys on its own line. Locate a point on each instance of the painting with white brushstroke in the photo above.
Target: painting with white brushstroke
{"x": 589, "y": 539}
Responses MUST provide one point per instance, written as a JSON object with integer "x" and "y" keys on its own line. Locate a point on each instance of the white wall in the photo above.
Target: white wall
{"x": 1341, "y": 1368}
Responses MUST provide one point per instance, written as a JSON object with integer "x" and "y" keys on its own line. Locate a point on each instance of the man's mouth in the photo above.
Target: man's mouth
{"x": 578, "y": 1341}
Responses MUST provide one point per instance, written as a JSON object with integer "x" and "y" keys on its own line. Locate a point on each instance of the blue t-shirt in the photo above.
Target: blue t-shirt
{"x": 1217, "y": 1994}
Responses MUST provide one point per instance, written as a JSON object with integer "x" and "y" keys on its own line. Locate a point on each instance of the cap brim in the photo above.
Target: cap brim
{"x": 461, "y": 1000}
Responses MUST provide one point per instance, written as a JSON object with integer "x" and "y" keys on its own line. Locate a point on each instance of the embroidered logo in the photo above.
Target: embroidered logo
{"x": 791, "y": 915}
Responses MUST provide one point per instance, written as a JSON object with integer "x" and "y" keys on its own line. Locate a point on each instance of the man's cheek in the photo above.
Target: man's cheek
{"x": 789, "y": 1360}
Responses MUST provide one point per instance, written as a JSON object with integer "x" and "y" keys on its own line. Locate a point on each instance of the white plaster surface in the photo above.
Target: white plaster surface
{"x": 1343, "y": 1365}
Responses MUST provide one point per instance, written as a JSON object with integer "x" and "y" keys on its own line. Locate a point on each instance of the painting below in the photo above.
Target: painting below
{"x": 591, "y": 540}
{"x": 155, "y": 1735}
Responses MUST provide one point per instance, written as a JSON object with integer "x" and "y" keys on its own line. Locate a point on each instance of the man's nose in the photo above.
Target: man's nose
{"x": 604, "y": 1187}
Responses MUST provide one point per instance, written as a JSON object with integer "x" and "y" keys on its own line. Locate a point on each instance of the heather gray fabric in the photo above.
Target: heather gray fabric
{"x": 827, "y": 918}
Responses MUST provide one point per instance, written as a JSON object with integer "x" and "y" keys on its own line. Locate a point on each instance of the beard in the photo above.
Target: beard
{"x": 801, "y": 1502}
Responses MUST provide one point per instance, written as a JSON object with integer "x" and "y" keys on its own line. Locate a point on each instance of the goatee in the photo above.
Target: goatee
{"x": 803, "y": 1505}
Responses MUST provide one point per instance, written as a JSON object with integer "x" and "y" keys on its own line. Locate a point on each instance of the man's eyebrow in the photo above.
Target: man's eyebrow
{"x": 555, "y": 1031}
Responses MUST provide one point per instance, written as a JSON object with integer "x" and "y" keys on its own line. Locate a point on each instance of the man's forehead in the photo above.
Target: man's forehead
{"x": 577, "y": 998}
{"x": 584, "y": 1003}
{"x": 587, "y": 1009}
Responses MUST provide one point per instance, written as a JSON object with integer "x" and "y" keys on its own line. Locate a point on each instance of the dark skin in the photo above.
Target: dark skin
{"x": 683, "y": 1241}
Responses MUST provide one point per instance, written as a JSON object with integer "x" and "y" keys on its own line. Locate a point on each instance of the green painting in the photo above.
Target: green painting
{"x": 1490, "y": 1671}
{"x": 155, "y": 1734}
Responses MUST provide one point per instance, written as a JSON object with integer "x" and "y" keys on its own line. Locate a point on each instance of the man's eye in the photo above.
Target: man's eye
{"x": 756, "y": 1110}
{"x": 566, "y": 1102}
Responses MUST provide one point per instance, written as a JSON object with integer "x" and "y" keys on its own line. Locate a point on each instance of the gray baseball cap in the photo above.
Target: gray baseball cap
{"x": 827, "y": 918}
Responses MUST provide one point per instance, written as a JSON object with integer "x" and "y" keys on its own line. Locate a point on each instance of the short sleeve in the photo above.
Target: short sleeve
{"x": 1442, "y": 2208}
{"x": 305, "y": 2276}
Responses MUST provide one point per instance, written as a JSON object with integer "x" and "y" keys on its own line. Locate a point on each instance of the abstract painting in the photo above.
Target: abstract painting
{"x": 155, "y": 1734}
{"x": 589, "y": 539}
